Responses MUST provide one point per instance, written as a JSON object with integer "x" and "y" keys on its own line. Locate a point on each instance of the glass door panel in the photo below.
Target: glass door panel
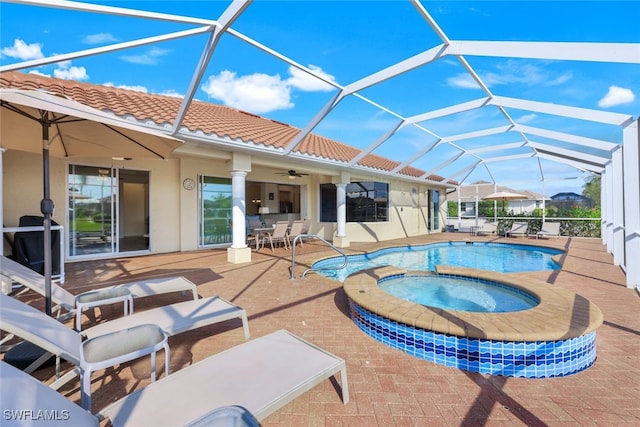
{"x": 215, "y": 211}
{"x": 92, "y": 210}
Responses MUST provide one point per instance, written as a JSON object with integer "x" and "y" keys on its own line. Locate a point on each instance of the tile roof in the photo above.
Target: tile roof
{"x": 210, "y": 119}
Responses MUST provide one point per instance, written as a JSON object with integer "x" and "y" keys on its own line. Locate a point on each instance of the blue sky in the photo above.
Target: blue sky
{"x": 345, "y": 41}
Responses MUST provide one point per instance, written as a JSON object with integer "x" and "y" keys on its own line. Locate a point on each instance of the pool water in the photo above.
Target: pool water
{"x": 500, "y": 257}
{"x": 458, "y": 293}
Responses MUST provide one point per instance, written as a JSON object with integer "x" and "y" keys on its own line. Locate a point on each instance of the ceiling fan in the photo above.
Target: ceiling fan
{"x": 292, "y": 174}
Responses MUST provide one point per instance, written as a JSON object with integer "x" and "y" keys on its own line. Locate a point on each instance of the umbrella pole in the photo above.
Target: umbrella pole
{"x": 46, "y": 207}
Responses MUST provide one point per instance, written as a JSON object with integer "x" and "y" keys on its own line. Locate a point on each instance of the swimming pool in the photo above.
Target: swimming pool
{"x": 458, "y": 293}
{"x": 500, "y": 257}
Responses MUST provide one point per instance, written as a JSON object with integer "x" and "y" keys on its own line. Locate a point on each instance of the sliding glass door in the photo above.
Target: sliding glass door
{"x": 92, "y": 210}
{"x": 108, "y": 211}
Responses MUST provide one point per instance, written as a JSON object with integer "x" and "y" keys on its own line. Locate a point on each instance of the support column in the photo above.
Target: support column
{"x": 340, "y": 239}
{"x": 458, "y": 190}
{"x": 603, "y": 206}
{"x": 618, "y": 207}
{"x": 609, "y": 224}
{"x": 631, "y": 159}
{"x": 239, "y": 252}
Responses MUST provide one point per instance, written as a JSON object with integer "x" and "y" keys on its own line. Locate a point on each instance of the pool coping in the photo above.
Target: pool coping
{"x": 561, "y": 314}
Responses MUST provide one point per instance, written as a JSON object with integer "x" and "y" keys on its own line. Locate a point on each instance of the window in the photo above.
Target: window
{"x": 215, "y": 210}
{"x": 328, "y": 203}
{"x": 366, "y": 202}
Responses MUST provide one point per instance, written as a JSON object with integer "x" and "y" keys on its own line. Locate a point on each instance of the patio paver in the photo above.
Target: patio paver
{"x": 387, "y": 387}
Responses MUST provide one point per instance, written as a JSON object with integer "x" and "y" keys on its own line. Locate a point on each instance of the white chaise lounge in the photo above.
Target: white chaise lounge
{"x": 75, "y": 304}
{"x": 100, "y": 352}
{"x": 261, "y": 376}
{"x": 549, "y": 229}
{"x": 517, "y": 229}
{"x": 172, "y": 319}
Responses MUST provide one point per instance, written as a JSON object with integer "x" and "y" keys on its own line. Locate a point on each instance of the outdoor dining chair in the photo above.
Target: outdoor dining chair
{"x": 295, "y": 230}
{"x": 278, "y": 235}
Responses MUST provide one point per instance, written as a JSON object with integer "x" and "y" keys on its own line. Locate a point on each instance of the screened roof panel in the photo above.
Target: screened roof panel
{"x": 435, "y": 69}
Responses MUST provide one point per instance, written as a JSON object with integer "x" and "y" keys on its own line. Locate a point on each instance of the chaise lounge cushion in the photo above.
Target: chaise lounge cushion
{"x": 261, "y": 375}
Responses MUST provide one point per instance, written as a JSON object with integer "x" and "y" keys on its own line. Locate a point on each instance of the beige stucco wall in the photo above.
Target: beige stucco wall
{"x": 173, "y": 224}
{"x": 22, "y": 186}
{"x": 408, "y": 212}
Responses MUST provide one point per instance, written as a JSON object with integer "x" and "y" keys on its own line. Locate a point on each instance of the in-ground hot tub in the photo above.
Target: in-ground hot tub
{"x": 556, "y": 337}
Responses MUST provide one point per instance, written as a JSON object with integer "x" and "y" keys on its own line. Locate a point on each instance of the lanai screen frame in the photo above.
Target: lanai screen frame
{"x": 619, "y": 164}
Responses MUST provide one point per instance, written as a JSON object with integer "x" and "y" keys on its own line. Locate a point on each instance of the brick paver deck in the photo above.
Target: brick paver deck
{"x": 387, "y": 387}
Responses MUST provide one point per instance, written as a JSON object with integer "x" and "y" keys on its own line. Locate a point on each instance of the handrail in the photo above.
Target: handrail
{"x": 315, "y": 236}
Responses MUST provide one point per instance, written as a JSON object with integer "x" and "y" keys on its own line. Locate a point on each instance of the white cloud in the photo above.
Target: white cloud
{"x": 172, "y": 93}
{"x": 308, "y": 83}
{"x": 99, "y": 38}
{"x": 463, "y": 81}
{"x": 137, "y": 88}
{"x": 151, "y": 57}
{"x": 68, "y": 72}
{"x": 263, "y": 93}
{"x": 616, "y": 96}
{"x": 258, "y": 93}
{"x": 23, "y": 51}
{"x": 512, "y": 72}
{"x": 527, "y": 118}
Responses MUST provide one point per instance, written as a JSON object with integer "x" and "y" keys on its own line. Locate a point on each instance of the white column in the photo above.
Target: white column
{"x": 238, "y": 167}
{"x": 618, "y": 207}
{"x": 341, "y": 201}
{"x": 544, "y": 202}
{"x": 604, "y": 193}
{"x": 610, "y": 206}
{"x": 459, "y": 191}
{"x": 239, "y": 232}
{"x": 631, "y": 159}
{"x": 476, "y": 208}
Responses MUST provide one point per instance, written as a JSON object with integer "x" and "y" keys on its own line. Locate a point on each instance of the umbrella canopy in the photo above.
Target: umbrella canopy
{"x": 504, "y": 195}
{"x": 38, "y": 121}
{"x": 75, "y": 130}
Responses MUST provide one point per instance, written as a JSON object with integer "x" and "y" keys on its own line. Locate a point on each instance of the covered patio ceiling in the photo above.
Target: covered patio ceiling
{"x": 420, "y": 90}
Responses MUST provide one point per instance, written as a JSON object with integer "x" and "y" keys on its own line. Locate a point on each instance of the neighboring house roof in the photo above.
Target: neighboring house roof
{"x": 484, "y": 188}
{"x": 568, "y": 196}
{"x": 214, "y": 121}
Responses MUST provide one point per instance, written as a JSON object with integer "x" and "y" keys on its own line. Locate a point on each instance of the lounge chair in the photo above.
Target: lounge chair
{"x": 486, "y": 228}
{"x": 75, "y": 304}
{"x": 100, "y": 352}
{"x": 517, "y": 228}
{"x": 23, "y": 398}
{"x": 173, "y": 318}
{"x": 549, "y": 229}
{"x": 254, "y": 378}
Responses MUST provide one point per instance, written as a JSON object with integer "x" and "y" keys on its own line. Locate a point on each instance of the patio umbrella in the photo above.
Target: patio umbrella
{"x": 504, "y": 196}
{"x": 37, "y": 121}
